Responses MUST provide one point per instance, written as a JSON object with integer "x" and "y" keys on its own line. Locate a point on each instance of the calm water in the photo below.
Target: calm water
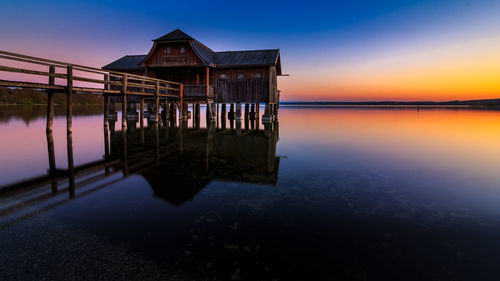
{"x": 328, "y": 193}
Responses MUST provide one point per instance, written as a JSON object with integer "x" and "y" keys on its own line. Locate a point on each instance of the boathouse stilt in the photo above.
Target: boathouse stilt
{"x": 238, "y": 111}
{"x": 141, "y": 112}
{"x": 223, "y": 113}
{"x": 266, "y": 118}
{"x": 231, "y": 111}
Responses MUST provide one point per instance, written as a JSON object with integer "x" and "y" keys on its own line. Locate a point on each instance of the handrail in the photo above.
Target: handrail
{"x": 139, "y": 85}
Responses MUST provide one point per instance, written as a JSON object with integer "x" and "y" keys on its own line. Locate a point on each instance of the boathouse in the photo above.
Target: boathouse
{"x": 229, "y": 77}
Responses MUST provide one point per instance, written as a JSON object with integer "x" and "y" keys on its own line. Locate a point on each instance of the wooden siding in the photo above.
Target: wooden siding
{"x": 241, "y": 85}
{"x": 273, "y": 85}
{"x": 162, "y": 58}
{"x": 247, "y": 88}
{"x": 186, "y": 75}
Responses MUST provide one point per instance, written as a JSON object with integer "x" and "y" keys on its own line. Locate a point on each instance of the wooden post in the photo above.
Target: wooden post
{"x": 173, "y": 112}
{"x": 52, "y": 161}
{"x": 106, "y": 100}
{"x": 210, "y": 113}
{"x": 157, "y": 147}
{"x": 238, "y": 111}
{"x": 106, "y": 149}
{"x": 69, "y": 99}
{"x": 125, "y": 152}
{"x": 247, "y": 110}
{"x": 231, "y": 111}
{"x": 167, "y": 110}
{"x": 238, "y": 127}
{"x": 50, "y": 100}
{"x": 267, "y": 114}
{"x": 181, "y": 108}
{"x": 157, "y": 100}
{"x": 217, "y": 113}
{"x": 124, "y": 102}
{"x": 141, "y": 113}
{"x": 197, "y": 116}
{"x": 208, "y": 81}
{"x": 71, "y": 167}
{"x": 223, "y": 112}
{"x": 196, "y": 119}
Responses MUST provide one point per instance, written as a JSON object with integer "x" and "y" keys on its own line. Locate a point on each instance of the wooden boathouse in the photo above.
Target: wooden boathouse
{"x": 209, "y": 77}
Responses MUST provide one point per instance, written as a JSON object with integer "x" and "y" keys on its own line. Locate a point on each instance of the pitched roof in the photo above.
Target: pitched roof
{"x": 203, "y": 51}
{"x": 125, "y": 63}
{"x": 218, "y": 59}
{"x": 244, "y": 58}
{"x": 174, "y": 36}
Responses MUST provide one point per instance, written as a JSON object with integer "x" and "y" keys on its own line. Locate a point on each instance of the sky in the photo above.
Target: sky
{"x": 333, "y": 50}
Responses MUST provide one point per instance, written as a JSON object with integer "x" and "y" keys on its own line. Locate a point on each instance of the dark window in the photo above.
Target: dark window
{"x": 240, "y": 76}
{"x": 182, "y": 50}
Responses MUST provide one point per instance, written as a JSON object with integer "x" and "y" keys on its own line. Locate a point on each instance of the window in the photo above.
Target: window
{"x": 257, "y": 75}
{"x": 169, "y": 50}
{"x": 223, "y": 76}
{"x": 182, "y": 50}
{"x": 240, "y": 76}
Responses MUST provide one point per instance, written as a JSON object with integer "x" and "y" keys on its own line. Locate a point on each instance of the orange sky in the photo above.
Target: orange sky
{"x": 447, "y": 71}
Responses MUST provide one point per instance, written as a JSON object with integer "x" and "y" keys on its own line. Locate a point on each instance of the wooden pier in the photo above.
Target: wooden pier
{"x": 70, "y": 79}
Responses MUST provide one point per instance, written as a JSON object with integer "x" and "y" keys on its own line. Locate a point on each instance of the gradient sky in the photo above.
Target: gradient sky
{"x": 334, "y": 50}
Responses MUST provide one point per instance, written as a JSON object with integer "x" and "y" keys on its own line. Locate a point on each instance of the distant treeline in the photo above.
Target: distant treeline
{"x": 485, "y": 102}
{"x": 33, "y": 96}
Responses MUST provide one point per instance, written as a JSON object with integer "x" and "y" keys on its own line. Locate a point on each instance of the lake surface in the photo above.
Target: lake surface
{"x": 325, "y": 193}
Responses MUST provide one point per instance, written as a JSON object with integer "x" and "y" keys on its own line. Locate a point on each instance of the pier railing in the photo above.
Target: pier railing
{"x": 58, "y": 76}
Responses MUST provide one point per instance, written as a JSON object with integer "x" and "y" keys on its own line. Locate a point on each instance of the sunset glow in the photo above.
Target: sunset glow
{"x": 393, "y": 50}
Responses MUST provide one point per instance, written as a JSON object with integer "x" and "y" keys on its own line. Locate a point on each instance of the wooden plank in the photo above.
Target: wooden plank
{"x": 30, "y": 85}
{"x": 25, "y": 60}
{"x": 85, "y": 79}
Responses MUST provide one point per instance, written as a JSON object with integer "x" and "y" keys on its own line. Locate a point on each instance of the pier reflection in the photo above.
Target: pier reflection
{"x": 176, "y": 160}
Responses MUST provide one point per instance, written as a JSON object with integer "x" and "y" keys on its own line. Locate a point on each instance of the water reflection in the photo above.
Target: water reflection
{"x": 364, "y": 194}
{"x": 177, "y": 162}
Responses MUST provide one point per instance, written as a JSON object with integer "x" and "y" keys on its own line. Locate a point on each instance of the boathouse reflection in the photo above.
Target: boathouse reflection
{"x": 178, "y": 162}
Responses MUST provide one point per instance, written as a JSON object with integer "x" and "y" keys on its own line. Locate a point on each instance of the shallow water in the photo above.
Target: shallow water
{"x": 348, "y": 193}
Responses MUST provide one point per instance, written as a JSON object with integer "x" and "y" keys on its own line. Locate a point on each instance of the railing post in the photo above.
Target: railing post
{"x": 69, "y": 129}
{"x": 50, "y": 100}
{"x": 208, "y": 82}
{"x": 124, "y": 102}
{"x": 69, "y": 98}
{"x": 181, "y": 90}
{"x": 157, "y": 100}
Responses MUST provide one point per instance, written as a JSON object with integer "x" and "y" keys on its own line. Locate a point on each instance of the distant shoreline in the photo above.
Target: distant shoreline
{"x": 468, "y": 103}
